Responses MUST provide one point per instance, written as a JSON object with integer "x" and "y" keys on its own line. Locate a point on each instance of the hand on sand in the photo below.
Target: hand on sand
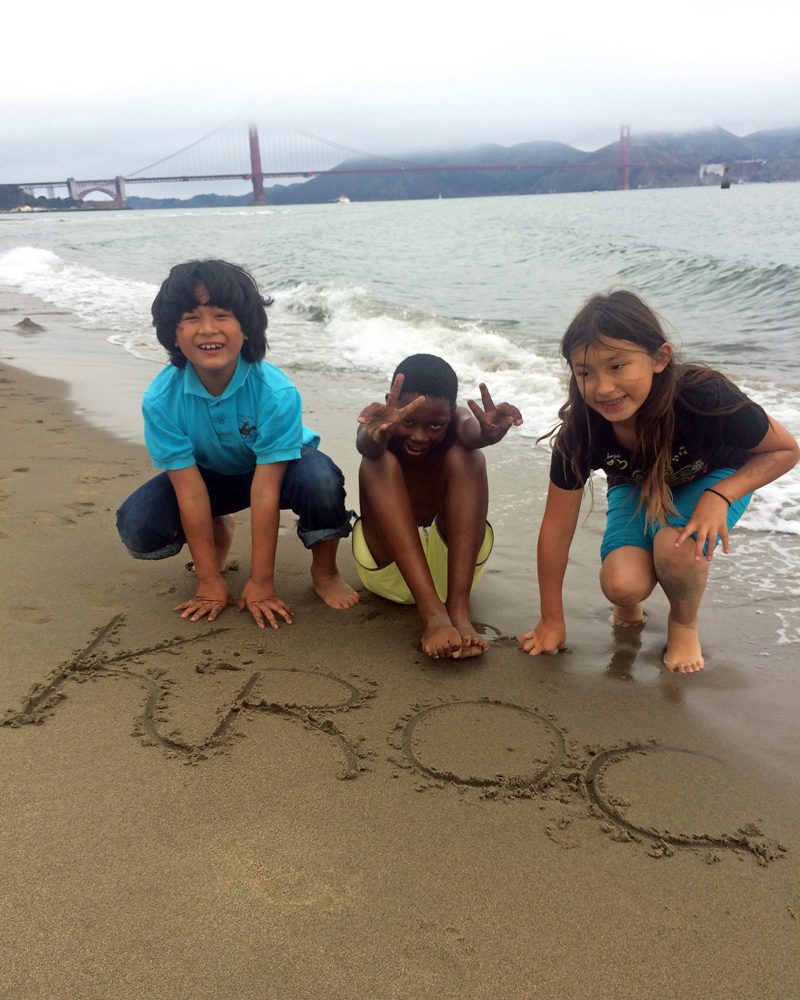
{"x": 264, "y": 604}
{"x": 548, "y": 637}
{"x": 380, "y": 419}
{"x": 211, "y": 600}
{"x": 495, "y": 420}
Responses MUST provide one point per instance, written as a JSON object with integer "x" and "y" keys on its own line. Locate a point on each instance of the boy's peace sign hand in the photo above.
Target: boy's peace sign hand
{"x": 380, "y": 419}
{"x": 494, "y": 421}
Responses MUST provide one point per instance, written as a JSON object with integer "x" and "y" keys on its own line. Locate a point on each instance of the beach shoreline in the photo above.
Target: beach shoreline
{"x": 174, "y": 820}
{"x": 104, "y": 384}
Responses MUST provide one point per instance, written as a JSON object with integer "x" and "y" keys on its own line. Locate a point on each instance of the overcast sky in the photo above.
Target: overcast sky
{"x": 97, "y": 89}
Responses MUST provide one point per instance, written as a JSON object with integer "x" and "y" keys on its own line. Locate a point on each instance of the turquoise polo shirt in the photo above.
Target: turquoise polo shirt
{"x": 256, "y": 421}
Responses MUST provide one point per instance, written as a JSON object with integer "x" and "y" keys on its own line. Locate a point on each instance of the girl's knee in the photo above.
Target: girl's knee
{"x": 625, "y": 591}
{"x": 627, "y": 580}
{"x": 668, "y": 559}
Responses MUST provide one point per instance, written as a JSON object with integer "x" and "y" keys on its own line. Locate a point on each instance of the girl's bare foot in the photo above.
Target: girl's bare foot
{"x": 625, "y": 615}
{"x": 684, "y": 654}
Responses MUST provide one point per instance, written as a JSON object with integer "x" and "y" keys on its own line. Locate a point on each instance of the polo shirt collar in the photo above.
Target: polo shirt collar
{"x": 193, "y": 385}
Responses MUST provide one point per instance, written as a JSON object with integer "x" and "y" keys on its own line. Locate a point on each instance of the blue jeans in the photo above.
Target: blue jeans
{"x": 149, "y": 521}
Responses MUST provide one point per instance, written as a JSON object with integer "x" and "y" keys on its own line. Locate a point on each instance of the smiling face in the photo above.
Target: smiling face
{"x": 614, "y": 377}
{"x": 424, "y": 429}
{"x": 211, "y": 339}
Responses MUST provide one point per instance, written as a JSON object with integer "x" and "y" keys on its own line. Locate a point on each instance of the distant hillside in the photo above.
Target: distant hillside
{"x": 14, "y": 199}
{"x": 657, "y": 160}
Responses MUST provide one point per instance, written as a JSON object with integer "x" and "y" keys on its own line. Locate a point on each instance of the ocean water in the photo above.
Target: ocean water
{"x": 490, "y": 284}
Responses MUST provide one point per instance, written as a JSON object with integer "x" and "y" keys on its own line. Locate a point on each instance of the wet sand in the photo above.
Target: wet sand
{"x": 212, "y": 811}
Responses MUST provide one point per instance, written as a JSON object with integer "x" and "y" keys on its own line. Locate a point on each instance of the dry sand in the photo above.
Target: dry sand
{"x": 211, "y": 811}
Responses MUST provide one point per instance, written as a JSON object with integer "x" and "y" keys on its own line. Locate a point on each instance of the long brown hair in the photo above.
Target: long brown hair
{"x": 621, "y": 315}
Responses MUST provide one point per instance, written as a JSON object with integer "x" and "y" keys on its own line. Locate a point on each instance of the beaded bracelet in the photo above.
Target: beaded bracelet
{"x": 717, "y": 493}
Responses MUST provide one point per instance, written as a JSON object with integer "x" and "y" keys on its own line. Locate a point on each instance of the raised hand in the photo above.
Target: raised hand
{"x": 494, "y": 420}
{"x": 380, "y": 419}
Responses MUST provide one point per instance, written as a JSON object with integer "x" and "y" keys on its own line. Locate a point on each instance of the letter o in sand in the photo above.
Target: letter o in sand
{"x": 483, "y": 744}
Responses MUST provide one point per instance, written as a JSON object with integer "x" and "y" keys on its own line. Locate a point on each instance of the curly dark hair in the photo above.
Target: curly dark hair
{"x": 428, "y": 375}
{"x": 228, "y": 286}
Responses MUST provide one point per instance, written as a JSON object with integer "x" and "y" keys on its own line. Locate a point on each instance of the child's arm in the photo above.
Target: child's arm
{"x": 378, "y": 421}
{"x": 212, "y": 595}
{"x": 487, "y": 425}
{"x": 555, "y": 537}
{"x": 777, "y": 453}
{"x": 259, "y": 596}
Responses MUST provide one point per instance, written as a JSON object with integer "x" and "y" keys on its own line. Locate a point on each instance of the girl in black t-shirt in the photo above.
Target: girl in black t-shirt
{"x": 683, "y": 449}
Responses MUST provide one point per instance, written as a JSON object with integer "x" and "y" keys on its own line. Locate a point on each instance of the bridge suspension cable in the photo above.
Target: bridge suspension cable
{"x": 177, "y": 152}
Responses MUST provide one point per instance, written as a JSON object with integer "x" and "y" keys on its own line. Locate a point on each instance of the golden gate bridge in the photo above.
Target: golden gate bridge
{"x": 298, "y": 154}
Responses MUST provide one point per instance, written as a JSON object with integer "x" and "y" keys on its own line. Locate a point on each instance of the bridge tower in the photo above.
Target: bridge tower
{"x": 624, "y": 174}
{"x": 256, "y": 173}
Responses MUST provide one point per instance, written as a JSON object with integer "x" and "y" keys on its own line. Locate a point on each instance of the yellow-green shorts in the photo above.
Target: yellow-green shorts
{"x": 387, "y": 581}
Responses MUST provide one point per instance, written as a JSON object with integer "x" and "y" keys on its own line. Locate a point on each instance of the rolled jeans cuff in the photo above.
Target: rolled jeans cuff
{"x": 310, "y": 538}
{"x": 165, "y": 552}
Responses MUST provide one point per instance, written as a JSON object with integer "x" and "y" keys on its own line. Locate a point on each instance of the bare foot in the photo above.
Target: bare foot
{"x": 684, "y": 654}
{"x": 472, "y": 644}
{"x": 333, "y": 590}
{"x": 441, "y": 639}
{"x": 626, "y": 615}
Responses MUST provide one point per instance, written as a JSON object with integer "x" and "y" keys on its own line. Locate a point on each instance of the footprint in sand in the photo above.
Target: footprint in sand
{"x": 46, "y": 519}
{"x": 90, "y": 480}
{"x": 30, "y": 615}
{"x": 82, "y": 507}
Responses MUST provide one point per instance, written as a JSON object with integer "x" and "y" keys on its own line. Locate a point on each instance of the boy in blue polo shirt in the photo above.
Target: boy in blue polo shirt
{"x": 226, "y": 427}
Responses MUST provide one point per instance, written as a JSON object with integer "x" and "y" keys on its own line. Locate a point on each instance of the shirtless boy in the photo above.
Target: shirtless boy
{"x": 421, "y": 467}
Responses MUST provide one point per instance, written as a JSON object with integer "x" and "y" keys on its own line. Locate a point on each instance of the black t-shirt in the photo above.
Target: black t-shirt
{"x": 703, "y": 441}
